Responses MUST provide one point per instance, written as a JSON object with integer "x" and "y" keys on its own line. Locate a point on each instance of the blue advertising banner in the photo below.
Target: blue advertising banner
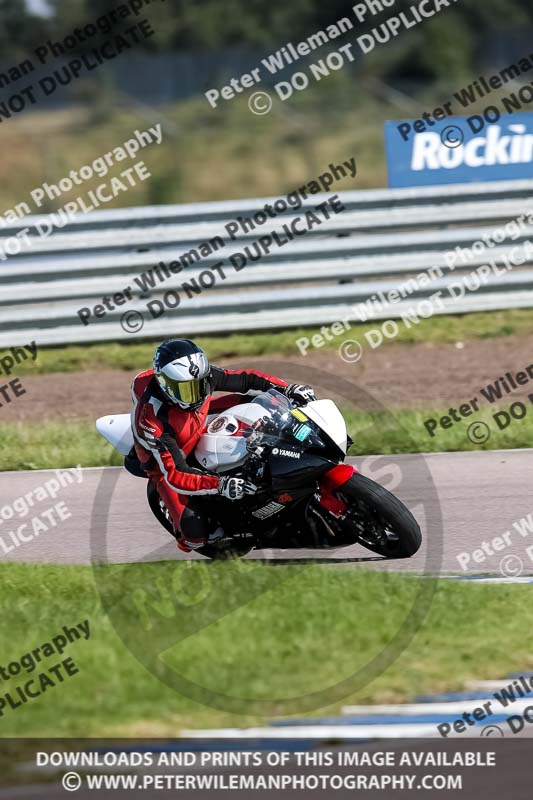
{"x": 481, "y": 147}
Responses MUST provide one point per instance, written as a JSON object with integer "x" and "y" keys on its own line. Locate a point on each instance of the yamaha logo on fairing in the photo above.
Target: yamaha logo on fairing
{"x": 276, "y": 451}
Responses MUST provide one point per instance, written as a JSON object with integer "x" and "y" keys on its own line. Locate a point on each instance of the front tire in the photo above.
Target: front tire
{"x": 382, "y": 522}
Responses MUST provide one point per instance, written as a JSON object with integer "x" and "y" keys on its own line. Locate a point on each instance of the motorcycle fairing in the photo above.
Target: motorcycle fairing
{"x": 116, "y": 428}
{"x": 221, "y": 447}
{"x": 329, "y": 419}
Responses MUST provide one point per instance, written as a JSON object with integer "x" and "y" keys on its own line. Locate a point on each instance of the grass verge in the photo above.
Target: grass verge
{"x": 285, "y": 631}
{"x": 52, "y": 445}
{"x": 131, "y": 356}
{"x": 250, "y": 156}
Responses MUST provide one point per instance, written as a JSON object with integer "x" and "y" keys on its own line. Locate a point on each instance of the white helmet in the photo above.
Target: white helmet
{"x": 182, "y": 371}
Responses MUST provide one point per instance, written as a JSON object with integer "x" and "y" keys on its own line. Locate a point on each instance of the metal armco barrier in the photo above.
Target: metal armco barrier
{"x": 383, "y": 238}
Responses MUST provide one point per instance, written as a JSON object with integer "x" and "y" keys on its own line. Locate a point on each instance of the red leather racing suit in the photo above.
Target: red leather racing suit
{"x": 165, "y": 435}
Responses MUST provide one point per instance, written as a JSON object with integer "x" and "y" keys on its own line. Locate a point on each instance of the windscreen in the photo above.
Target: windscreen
{"x": 284, "y": 422}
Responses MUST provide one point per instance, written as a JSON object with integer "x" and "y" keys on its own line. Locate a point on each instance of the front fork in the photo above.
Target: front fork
{"x": 331, "y": 481}
{"x": 326, "y": 511}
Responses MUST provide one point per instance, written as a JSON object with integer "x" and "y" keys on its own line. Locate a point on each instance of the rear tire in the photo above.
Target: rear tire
{"x": 222, "y": 551}
{"x": 226, "y": 550}
{"x": 158, "y": 508}
{"x": 374, "y": 509}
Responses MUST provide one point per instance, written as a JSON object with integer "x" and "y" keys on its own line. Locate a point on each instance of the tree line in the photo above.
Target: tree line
{"x": 450, "y": 44}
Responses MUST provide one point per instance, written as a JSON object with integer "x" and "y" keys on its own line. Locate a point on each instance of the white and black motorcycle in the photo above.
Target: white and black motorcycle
{"x": 307, "y": 496}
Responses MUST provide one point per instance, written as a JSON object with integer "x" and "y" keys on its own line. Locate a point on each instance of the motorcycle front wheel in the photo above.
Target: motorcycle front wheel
{"x": 381, "y": 522}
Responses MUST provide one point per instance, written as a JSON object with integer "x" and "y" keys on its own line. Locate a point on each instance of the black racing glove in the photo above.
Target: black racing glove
{"x": 235, "y": 488}
{"x": 300, "y": 393}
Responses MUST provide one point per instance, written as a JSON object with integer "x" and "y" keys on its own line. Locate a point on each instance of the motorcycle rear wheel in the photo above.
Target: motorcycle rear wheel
{"x": 158, "y": 507}
{"x": 221, "y": 551}
{"x": 225, "y": 550}
{"x": 384, "y": 525}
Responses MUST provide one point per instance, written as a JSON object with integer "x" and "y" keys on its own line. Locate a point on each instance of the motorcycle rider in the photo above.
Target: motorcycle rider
{"x": 170, "y": 407}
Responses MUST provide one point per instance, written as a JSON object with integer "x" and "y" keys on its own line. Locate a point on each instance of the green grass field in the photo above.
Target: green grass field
{"x": 219, "y": 155}
{"x": 52, "y": 445}
{"x": 130, "y": 356}
{"x": 205, "y": 154}
{"x": 284, "y": 632}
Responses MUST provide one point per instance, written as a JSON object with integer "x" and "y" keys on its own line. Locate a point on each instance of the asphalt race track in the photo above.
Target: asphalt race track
{"x": 460, "y": 499}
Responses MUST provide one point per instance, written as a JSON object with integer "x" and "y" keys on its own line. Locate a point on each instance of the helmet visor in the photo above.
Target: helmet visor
{"x": 188, "y": 392}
